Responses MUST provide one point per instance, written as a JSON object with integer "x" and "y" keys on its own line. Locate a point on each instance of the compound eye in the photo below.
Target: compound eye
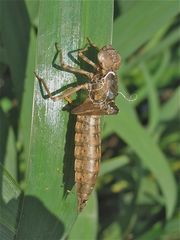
{"x": 105, "y": 60}
{"x": 109, "y": 59}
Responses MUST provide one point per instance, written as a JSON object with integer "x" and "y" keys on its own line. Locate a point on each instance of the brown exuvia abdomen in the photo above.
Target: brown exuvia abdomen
{"x": 87, "y": 155}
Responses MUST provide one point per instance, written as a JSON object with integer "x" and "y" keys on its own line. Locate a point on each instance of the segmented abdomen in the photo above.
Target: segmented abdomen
{"x": 87, "y": 155}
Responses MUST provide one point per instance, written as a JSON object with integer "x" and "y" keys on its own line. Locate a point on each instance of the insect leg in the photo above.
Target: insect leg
{"x": 68, "y": 92}
{"x": 81, "y": 55}
{"x": 69, "y": 68}
{"x": 65, "y": 94}
{"x": 92, "y": 44}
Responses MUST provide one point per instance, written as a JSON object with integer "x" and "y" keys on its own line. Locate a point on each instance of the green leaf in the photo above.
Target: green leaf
{"x": 128, "y": 128}
{"x": 152, "y": 97}
{"x": 112, "y": 232}
{"x": 86, "y": 226}
{"x": 50, "y": 202}
{"x": 157, "y": 76}
{"x": 27, "y": 99}
{"x": 15, "y": 35}
{"x": 148, "y": 187}
{"x": 9, "y": 205}
{"x": 10, "y": 162}
{"x": 33, "y": 9}
{"x": 140, "y": 23}
{"x": 154, "y": 233}
{"x": 171, "y": 229}
{"x": 132, "y": 29}
{"x": 171, "y": 108}
{"x": 162, "y": 47}
{"x": 112, "y": 164}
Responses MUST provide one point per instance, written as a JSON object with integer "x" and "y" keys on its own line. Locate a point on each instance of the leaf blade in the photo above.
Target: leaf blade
{"x": 9, "y": 205}
{"x": 50, "y": 193}
{"x": 137, "y": 28}
{"x": 148, "y": 152}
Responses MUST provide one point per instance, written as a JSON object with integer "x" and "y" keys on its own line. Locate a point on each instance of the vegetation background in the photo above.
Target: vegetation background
{"x": 137, "y": 192}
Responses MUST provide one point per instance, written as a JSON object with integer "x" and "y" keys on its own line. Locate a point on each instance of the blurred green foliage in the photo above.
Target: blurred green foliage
{"x": 137, "y": 190}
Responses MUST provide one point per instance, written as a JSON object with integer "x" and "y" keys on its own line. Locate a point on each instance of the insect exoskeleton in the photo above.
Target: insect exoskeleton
{"x": 102, "y": 89}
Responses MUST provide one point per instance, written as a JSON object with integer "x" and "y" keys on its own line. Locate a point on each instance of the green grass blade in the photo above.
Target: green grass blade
{"x": 140, "y": 23}
{"x": 131, "y": 30}
{"x": 33, "y": 10}
{"x": 128, "y": 128}
{"x": 9, "y": 205}
{"x": 15, "y": 36}
{"x": 86, "y": 226}
{"x": 152, "y": 98}
{"x": 113, "y": 164}
{"x": 27, "y": 98}
{"x": 10, "y": 162}
{"x": 16, "y": 24}
{"x": 162, "y": 47}
{"x": 50, "y": 203}
{"x": 171, "y": 108}
{"x": 157, "y": 77}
